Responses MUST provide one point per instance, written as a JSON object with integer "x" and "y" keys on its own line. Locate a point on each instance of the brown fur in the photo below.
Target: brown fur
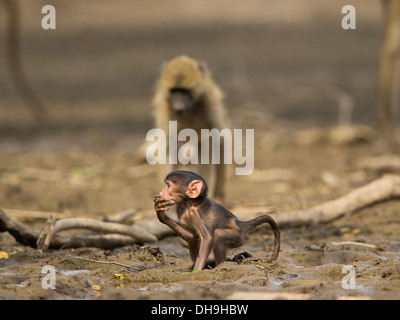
{"x": 207, "y": 112}
{"x": 203, "y": 223}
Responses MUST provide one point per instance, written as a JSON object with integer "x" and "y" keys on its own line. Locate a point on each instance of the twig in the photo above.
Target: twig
{"x": 355, "y": 243}
{"x": 120, "y": 217}
{"x": 46, "y": 234}
{"x": 107, "y": 262}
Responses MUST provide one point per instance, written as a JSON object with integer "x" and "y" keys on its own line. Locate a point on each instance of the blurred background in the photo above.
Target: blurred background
{"x": 283, "y": 65}
{"x": 289, "y": 71}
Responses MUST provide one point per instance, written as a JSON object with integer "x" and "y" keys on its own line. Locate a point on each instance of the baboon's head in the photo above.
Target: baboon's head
{"x": 184, "y": 80}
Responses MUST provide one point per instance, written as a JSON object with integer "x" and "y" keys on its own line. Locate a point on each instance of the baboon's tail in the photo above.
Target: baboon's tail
{"x": 251, "y": 224}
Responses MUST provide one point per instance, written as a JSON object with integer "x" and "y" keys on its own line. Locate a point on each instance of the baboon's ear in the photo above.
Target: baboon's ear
{"x": 203, "y": 67}
{"x": 164, "y": 64}
{"x": 194, "y": 188}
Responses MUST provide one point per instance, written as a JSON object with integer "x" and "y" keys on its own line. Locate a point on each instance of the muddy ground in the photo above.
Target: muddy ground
{"x": 284, "y": 67}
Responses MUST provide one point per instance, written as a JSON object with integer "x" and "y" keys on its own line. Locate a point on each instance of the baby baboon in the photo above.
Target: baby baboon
{"x": 186, "y": 93}
{"x": 389, "y": 77}
{"x": 203, "y": 223}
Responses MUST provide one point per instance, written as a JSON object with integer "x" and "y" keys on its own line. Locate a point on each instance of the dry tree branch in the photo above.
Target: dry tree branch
{"x": 354, "y": 243}
{"x": 383, "y": 189}
{"x": 118, "y": 235}
{"x": 22, "y": 233}
{"x": 107, "y": 262}
{"x": 52, "y": 227}
{"x": 120, "y": 217}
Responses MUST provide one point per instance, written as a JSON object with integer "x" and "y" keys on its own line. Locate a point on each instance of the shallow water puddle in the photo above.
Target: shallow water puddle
{"x": 72, "y": 272}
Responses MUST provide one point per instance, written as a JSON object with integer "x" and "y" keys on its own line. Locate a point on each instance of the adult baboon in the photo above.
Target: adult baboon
{"x": 186, "y": 93}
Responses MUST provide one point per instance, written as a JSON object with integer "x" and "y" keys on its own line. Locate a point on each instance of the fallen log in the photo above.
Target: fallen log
{"x": 21, "y": 232}
{"x": 118, "y": 235}
{"x": 380, "y": 190}
{"x": 52, "y": 227}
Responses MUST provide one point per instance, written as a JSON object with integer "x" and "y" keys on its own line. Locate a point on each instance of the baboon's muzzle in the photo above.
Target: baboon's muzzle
{"x": 180, "y": 100}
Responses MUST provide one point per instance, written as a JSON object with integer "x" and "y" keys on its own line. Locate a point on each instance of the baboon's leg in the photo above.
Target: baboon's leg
{"x": 389, "y": 73}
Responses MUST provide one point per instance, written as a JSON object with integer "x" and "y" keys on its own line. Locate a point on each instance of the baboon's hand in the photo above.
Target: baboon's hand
{"x": 160, "y": 205}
